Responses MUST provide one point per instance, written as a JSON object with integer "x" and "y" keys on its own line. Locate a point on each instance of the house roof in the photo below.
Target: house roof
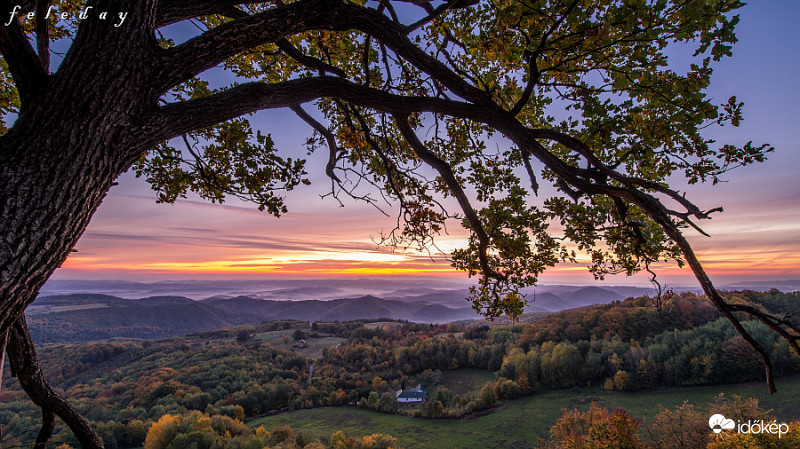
{"x": 417, "y": 392}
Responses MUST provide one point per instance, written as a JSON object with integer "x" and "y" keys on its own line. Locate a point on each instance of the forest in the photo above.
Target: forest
{"x": 128, "y": 387}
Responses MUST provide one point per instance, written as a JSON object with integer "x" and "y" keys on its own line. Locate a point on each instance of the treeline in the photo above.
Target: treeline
{"x": 625, "y": 347}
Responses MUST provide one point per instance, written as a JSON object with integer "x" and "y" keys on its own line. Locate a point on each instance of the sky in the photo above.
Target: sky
{"x": 757, "y": 238}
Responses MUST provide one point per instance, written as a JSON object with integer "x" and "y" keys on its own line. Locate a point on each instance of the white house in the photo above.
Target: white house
{"x": 416, "y": 394}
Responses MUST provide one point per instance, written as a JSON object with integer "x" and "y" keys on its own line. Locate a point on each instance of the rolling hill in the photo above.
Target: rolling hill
{"x": 91, "y": 316}
{"x": 87, "y": 317}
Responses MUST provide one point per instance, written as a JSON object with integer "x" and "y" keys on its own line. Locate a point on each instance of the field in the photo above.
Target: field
{"x": 315, "y": 345}
{"x": 32, "y": 310}
{"x": 466, "y": 382}
{"x": 520, "y": 423}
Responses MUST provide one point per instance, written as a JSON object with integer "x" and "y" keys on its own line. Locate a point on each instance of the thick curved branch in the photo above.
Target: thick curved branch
{"x": 203, "y": 52}
{"x": 179, "y": 118}
{"x": 214, "y": 46}
{"x": 394, "y": 36}
{"x": 316, "y": 14}
{"x": 29, "y": 75}
{"x": 176, "y": 119}
{"x": 24, "y": 364}
{"x": 173, "y": 11}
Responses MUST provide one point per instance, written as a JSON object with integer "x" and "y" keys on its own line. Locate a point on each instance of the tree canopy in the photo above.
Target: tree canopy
{"x": 403, "y": 97}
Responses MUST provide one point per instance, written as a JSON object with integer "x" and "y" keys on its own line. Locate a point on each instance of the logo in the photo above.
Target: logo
{"x": 720, "y": 423}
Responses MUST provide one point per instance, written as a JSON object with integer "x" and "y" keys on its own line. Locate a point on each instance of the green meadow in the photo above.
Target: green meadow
{"x": 521, "y": 423}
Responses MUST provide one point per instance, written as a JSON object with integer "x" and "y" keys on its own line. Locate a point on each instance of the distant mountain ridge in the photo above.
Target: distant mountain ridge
{"x": 86, "y": 317}
{"x": 91, "y": 316}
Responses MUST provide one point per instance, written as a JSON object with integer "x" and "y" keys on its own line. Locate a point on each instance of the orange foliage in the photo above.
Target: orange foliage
{"x": 596, "y": 428}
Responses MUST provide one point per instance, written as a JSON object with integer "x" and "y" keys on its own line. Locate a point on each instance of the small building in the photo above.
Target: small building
{"x": 416, "y": 394}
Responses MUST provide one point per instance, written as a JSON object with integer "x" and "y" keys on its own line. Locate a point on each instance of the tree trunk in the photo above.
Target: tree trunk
{"x": 57, "y": 162}
{"x": 45, "y": 205}
{"x": 65, "y": 150}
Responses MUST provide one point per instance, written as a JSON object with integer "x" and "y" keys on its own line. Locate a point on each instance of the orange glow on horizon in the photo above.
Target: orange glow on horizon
{"x": 322, "y": 264}
{"x": 316, "y": 266}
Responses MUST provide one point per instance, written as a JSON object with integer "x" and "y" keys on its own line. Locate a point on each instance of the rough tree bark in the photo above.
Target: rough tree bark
{"x": 56, "y": 165}
{"x": 63, "y": 153}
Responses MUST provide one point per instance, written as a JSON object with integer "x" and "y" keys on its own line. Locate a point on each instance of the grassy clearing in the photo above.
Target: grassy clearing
{"x": 466, "y": 382}
{"x": 55, "y": 309}
{"x": 283, "y": 340}
{"x": 520, "y": 423}
{"x": 317, "y": 345}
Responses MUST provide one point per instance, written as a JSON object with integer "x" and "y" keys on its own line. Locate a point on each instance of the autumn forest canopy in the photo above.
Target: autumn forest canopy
{"x": 402, "y": 98}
